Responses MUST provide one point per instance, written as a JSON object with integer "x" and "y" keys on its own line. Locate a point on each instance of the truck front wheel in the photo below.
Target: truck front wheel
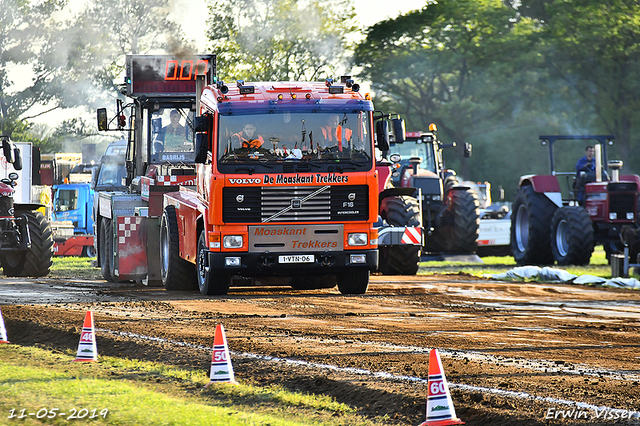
{"x": 209, "y": 283}
{"x": 177, "y": 273}
{"x": 105, "y": 246}
{"x": 353, "y": 282}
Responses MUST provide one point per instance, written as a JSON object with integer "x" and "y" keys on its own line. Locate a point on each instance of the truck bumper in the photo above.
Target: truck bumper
{"x": 254, "y": 264}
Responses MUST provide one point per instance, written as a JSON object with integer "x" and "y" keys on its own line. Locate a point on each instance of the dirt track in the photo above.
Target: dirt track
{"x": 513, "y": 353}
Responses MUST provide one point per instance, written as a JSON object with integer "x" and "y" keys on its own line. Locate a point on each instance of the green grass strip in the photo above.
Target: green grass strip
{"x": 133, "y": 392}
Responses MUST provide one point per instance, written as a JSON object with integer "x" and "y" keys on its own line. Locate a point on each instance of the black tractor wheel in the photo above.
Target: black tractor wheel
{"x": 400, "y": 259}
{"x": 209, "y": 283}
{"x": 105, "y": 248}
{"x": 37, "y": 261}
{"x": 355, "y": 281}
{"x": 313, "y": 282}
{"x": 458, "y": 232}
{"x": 40, "y": 257}
{"x": 177, "y": 273}
{"x": 13, "y": 263}
{"x": 571, "y": 236}
{"x": 531, "y": 216}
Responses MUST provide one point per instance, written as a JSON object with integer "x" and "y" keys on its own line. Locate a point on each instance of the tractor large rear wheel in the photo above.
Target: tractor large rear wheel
{"x": 37, "y": 261}
{"x": 461, "y": 223}
{"x": 571, "y": 236}
{"x": 400, "y": 259}
{"x": 531, "y": 217}
{"x": 177, "y": 273}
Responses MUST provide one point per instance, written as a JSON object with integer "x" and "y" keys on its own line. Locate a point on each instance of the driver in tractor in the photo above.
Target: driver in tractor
{"x": 336, "y": 137}
{"x": 174, "y": 135}
{"x": 585, "y": 172}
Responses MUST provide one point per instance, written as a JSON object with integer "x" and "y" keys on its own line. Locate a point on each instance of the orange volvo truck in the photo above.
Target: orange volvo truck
{"x": 246, "y": 182}
{"x": 286, "y": 186}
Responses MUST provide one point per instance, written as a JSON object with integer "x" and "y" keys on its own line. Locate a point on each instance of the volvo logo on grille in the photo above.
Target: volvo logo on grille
{"x": 296, "y": 203}
{"x": 239, "y": 198}
{"x": 351, "y": 196}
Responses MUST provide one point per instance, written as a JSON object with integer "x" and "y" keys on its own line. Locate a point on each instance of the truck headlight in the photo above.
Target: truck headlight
{"x": 232, "y": 241}
{"x": 613, "y": 216}
{"x": 630, "y": 216}
{"x": 357, "y": 239}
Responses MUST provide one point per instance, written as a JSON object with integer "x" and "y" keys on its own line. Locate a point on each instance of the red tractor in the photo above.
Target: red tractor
{"x": 547, "y": 227}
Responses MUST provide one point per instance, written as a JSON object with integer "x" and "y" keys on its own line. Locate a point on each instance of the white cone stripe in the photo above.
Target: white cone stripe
{"x": 3, "y": 331}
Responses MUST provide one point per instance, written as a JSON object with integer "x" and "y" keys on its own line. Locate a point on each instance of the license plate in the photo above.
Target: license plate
{"x": 298, "y": 258}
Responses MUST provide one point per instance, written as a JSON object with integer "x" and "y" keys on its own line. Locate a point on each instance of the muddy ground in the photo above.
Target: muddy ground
{"x": 513, "y": 353}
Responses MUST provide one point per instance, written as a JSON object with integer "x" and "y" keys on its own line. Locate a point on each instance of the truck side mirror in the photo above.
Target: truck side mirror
{"x": 202, "y": 128}
{"x": 382, "y": 135}
{"x": 201, "y": 148}
{"x": 399, "y": 132}
{"x": 103, "y": 123}
{"x": 6, "y": 150}
{"x": 17, "y": 159}
{"x": 467, "y": 150}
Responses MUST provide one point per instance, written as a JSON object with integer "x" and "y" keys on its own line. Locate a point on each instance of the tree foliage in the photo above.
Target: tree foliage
{"x": 500, "y": 73}
{"x": 75, "y": 61}
{"x": 276, "y": 40}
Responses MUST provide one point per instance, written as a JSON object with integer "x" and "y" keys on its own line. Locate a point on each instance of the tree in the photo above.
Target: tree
{"x": 23, "y": 26}
{"x": 280, "y": 40}
{"x": 459, "y": 64}
{"x": 75, "y": 62}
{"x": 592, "y": 46}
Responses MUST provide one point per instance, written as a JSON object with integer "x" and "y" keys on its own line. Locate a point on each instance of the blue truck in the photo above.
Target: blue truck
{"x": 72, "y": 205}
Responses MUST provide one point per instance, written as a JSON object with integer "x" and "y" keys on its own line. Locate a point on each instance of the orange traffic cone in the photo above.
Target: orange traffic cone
{"x": 3, "y": 331}
{"x": 87, "y": 349}
{"x": 221, "y": 368}
{"x": 440, "y": 409}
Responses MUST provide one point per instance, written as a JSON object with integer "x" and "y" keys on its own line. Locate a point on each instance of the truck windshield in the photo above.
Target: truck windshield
{"x": 411, "y": 148}
{"x": 283, "y": 137}
{"x": 67, "y": 200}
{"x": 110, "y": 175}
{"x": 172, "y": 134}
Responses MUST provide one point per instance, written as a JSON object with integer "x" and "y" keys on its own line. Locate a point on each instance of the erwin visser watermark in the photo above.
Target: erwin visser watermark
{"x": 596, "y": 414}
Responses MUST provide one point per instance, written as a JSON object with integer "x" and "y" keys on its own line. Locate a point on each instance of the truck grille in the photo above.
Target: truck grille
{"x": 295, "y": 204}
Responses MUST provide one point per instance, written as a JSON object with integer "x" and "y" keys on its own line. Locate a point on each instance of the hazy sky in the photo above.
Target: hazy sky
{"x": 192, "y": 14}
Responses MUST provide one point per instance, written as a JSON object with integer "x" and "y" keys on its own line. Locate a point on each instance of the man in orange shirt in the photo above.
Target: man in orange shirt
{"x": 247, "y": 138}
{"x": 334, "y": 134}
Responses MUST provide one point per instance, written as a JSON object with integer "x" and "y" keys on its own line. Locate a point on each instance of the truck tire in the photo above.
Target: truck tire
{"x": 177, "y": 273}
{"x": 531, "y": 215}
{"x": 37, "y": 261}
{"x": 89, "y": 251}
{"x": 105, "y": 246}
{"x": 313, "y": 282}
{"x": 353, "y": 282}
{"x": 459, "y": 233}
{"x": 210, "y": 283}
{"x": 400, "y": 259}
{"x": 571, "y": 236}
